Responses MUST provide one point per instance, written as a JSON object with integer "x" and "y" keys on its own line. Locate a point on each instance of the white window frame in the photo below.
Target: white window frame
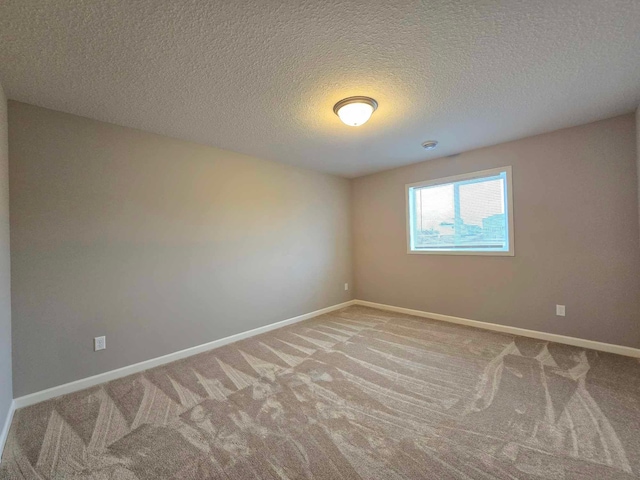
{"x": 457, "y": 178}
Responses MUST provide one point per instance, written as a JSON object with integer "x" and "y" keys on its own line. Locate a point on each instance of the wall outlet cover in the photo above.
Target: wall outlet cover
{"x": 346, "y": 286}
{"x": 560, "y": 310}
{"x": 99, "y": 343}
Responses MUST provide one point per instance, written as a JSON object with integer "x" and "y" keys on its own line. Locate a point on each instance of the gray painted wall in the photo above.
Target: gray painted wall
{"x": 576, "y": 238}
{"x": 158, "y": 244}
{"x": 6, "y": 392}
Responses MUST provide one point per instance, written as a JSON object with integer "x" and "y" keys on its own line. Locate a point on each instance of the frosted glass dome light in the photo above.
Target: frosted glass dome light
{"x": 354, "y": 111}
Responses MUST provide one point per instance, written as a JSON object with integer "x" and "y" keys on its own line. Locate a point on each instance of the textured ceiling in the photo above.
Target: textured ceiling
{"x": 261, "y": 77}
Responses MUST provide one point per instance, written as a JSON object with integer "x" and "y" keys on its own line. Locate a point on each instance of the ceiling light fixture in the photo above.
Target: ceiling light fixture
{"x": 354, "y": 111}
{"x": 430, "y": 144}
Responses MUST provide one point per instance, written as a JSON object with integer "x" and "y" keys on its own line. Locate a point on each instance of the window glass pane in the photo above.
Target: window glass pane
{"x": 482, "y": 214}
{"x": 466, "y": 215}
{"x": 434, "y": 215}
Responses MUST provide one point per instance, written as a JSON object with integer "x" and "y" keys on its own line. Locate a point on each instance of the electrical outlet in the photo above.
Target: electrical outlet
{"x": 346, "y": 286}
{"x": 99, "y": 343}
{"x": 560, "y": 310}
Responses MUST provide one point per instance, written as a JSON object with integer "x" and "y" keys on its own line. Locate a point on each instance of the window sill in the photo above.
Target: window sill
{"x": 451, "y": 252}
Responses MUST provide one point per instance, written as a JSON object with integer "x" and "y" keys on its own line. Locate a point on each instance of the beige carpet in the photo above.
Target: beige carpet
{"x": 358, "y": 393}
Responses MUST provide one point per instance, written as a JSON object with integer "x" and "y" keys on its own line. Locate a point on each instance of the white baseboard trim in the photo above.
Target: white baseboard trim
{"x": 5, "y": 428}
{"x": 551, "y": 337}
{"x": 83, "y": 383}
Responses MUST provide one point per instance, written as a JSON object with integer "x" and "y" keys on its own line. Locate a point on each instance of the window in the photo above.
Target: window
{"x": 469, "y": 214}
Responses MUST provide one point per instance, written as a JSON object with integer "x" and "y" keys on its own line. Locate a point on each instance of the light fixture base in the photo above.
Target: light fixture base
{"x": 359, "y": 99}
